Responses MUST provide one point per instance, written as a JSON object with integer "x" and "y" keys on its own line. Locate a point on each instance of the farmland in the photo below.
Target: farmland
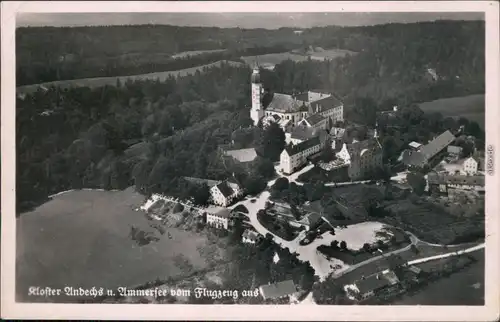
{"x": 329, "y": 54}
{"x": 111, "y": 81}
{"x": 82, "y": 238}
{"x": 191, "y": 53}
{"x": 270, "y": 60}
{"x": 471, "y": 107}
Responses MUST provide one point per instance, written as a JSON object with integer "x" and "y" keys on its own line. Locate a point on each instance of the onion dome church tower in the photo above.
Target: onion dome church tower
{"x": 257, "y": 111}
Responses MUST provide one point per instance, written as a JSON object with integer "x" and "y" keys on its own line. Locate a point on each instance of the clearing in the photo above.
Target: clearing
{"x": 270, "y": 60}
{"x": 472, "y": 107}
{"x": 82, "y": 238}
{"x": 111, "y": 81}
{"x": 329, "y": 54}
{"x": 186, "y": 54}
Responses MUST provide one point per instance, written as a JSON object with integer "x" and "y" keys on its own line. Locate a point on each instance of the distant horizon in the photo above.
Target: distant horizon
{"x": 238, "y": 20}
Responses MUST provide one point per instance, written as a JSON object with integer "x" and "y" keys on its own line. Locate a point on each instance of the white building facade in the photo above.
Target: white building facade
{"x": 218, "y": 219}
{"x": 295, "y": 156}
{"x": 470, "y": 166}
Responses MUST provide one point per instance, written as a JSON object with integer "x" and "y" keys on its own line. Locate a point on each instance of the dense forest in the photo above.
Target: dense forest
{"x": 151, "y": 133}
{"x": 47, "y": 53}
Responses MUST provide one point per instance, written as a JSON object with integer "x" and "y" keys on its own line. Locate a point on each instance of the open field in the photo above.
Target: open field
{"x": 329, "y": 54}
{"x": 471, "y": 107}
{"x": 270, "y": 60}
{"x": 186, "y": 54}
{"x": 465, "y": 287}
{"x": 81, "y": 238}
{"x": 102, "y": 81}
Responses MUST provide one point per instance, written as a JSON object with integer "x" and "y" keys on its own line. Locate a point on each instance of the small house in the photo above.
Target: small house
{"x": 278, "y": 290}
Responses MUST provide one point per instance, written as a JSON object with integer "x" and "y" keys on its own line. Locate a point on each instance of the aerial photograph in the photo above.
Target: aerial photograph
{"x": 250, "y": 158}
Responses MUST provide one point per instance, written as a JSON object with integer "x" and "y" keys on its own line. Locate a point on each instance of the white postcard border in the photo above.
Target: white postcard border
{"x": 10, "y": 309}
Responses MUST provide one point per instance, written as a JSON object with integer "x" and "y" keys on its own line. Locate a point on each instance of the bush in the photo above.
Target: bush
{"x": 178, "y": 208}
{"x": 241, "y": 208}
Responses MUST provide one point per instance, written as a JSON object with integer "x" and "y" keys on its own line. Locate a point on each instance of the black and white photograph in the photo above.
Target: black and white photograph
{"x": 301, "y": 158}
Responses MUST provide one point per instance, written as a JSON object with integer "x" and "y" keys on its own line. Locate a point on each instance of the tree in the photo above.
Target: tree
{"x": 254, "y": 185}
{"x": 272, "y": 142}
{"x": 343, "y": 245}
{"x": 414, "y": 249}
{"x": 281, "y": 184}
{"x": 417, "y": 182}
{"x": 264, "y": 167}
{"x": 367, "y": 247}
{"x": 334, "y": 244}
{"x": 327, "y": 153}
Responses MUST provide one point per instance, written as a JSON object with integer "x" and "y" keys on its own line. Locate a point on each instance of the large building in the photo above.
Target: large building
{"x": 295, "y": 156}
{"x": 361, "y": 157}
{"x": 428, "y": 152}
{"x": 314, "y": 108}
{"x": 219, "y": 218}
{"x": 224, "y": 193}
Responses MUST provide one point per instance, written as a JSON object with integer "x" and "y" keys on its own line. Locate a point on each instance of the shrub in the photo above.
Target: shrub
{"x": 178, "y": 208}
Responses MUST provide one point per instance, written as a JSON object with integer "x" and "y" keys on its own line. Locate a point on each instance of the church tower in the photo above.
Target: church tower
{"x": 257, "y": 111}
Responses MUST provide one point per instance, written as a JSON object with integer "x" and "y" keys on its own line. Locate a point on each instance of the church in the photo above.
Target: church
{"x": 316, "y": 109}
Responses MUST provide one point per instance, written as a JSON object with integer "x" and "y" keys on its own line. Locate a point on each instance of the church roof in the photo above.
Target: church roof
{"x": 284, "y": 103}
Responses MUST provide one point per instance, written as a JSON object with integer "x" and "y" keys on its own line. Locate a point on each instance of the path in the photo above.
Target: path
{"x": 456, "y": 253}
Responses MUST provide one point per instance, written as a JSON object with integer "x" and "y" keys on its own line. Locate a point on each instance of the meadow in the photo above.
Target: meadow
{"x": 191, "y": 53}
{"x": 472, "y": 107}
{"x": 329, "y": 54}
{"x": 111, "y": 81}
{"x": 82, "y": 239}
{"x": 270, "y": 60}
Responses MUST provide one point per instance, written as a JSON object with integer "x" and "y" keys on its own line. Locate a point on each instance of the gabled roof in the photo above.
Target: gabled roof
{"x": 358, "y": 147}
{"x": 327, "y": 103}
{"x": 279, "y": 289}
{"x": 371, "y": 283}
{"x": 315, "y": 119}
{"x": 284, "y": 103}
{"x": 302, "y": 146}
{"x": 225, "y": 189}
{"x": 302, "y": 133}
{"x": 413, "y": 158}
{"x": 223, "y": 213}
{"x": 438, "y": 144}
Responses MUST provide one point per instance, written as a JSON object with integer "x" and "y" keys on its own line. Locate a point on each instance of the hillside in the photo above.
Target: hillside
{"x": 47, "y": 54}
{"x": 81, "y": 137}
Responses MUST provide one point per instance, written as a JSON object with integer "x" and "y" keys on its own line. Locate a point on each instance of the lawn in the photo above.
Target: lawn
{"x": 102, "y": 81}
{"x": 81, "y": 238}
{"x": 270, "y": 60}
{"x": 471, "y": 107}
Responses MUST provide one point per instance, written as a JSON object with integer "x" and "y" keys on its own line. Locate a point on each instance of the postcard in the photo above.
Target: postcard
{"x": 250, "y": 160}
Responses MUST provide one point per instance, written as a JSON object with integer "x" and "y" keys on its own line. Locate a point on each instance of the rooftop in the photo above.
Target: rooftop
{"x": 438, "y": 144}
{"x": 302, "y": 146}
{"x": 371, "y": 283}
{"x": 315, "y": 119}
{"x": 277, "y": 290}
{"x": 243, "y": 155}
{"x": 284, "y": 103}
{"x": 326, "y": 103}
{"x": 225, "y": 189}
